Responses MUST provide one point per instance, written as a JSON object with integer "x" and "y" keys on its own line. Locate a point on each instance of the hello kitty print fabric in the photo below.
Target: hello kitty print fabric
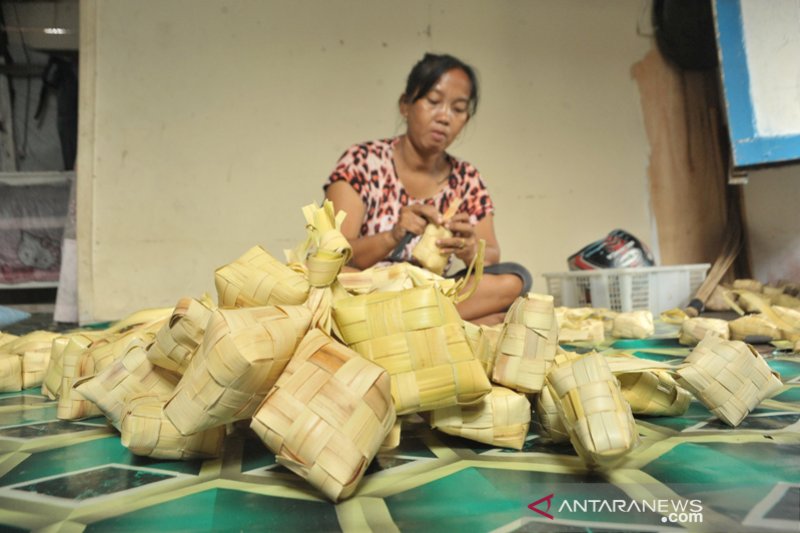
{"x": 369, "y": 169}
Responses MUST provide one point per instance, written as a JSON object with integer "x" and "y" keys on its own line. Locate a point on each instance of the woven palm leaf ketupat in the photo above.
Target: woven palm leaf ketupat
{"x": 579, "y": 324}
{"x": 426, "y": 251}
{"x": 748, "y": 325}
{"x": 34, "y": 365}
{"x": 392, "y": 440}
{"x": 145, "y": 431}
{"x": 693, "y": 330}
{"x": 751, "y": 285}
{"x": 418, "y": 337}
{"x": 728, "y": 377}
{"x": 33, "y": 349}
{"x": 51, "y": 383}
{"x": 71, "y": 403}
{"x": 10, "y": 372}
{"x": 6, "y": 338}
{"x": 320, "y": 304}
{"x": 131, "y": 374}
{"x": 177, "y": 340}
{"x": 594, "y": 411}
{"x": 633, "y": 325}
{"x": 654, "y": 393}
{"x": 483, "y": 341}
{"x": 789, "y": 322}
{"x": 257, "y": 279}
{"x": 79, "y": 363}
{"x": 327, "y": 415}
{"x": 325, "y": 250}
{"x": 501, "y": 418}
{"x": 552, "y": 426}
{"x": 527, "y": 344}
{"x": 242, "y": 354}
{"x": 393, "y": 277}
{"x": 786, "y": 300}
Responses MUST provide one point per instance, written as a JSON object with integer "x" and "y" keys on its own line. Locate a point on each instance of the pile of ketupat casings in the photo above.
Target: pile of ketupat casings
{"x": 325, "y": 365}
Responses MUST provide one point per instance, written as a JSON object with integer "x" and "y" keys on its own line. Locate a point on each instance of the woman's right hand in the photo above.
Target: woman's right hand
{"x": 414, "y": 218}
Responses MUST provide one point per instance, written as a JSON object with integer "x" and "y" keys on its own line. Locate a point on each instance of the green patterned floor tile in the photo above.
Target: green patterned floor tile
{"x": 28, "y": 415}
{"x": 483, "y": 499}
{"x": 13, "y": 399}
{"x": 695, "y": 414}
{"x": 661, "y": 358}
{"x": 787, "y": 369}
{"x": 92, "y": 483}
{"x": 87, "y": 455}
{"x": 644, "y": 344}
{"x": 255, "y": 455}
{"x": 792, "y": 395}
{"x": 226, "y": 510}
{"x": 731, "y": 478}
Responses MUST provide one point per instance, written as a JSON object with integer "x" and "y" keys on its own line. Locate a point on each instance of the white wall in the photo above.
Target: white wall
{"x": 205, "y": 126}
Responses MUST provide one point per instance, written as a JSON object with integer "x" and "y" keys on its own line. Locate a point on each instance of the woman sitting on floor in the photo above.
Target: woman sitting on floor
{"x": 393, "y": 187}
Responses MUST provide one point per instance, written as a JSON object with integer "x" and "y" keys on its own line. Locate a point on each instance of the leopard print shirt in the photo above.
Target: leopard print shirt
{"x": 369, "y": 169}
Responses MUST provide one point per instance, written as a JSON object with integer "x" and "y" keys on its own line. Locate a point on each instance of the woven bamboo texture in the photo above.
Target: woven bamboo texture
{"x": 426, "y": 251}
{"x": 527, "y": 344}
{"x": 325, "y": 250}
{"x": 418, "y": 337}
{"x": 789, "y": 322}
{"x": 633, "y": 325}
{"x": 33, "y": 352}
{"x": 327, "y": 415}
{"x": 747, "y": 325}
{"x": 693, "y": 330}
{"x": 594, "y": 411}
{"x": 6, "y": 338}
{"x": 728, "y": 377}
{"x": 10, "y": 372}
{"x": 391, "y": 278}
{"x": 242, "y": 354}
{"x": 320, "y": 304}
{"x": 177, "y": 341}
{"x": 654, "y": 393}
{"x": 81, "y": 362}
{"x": 145, "y": 431}
{"x": 131, "y": 374}
{"x": 752, "y": 285}
{"x": 257, "y": 279}
{"x": 51, "y": 383}
{"x": 552, "y": 426}
{"x": 580, "y": 324}
{"x": 483, "y": 340}
{"x": 392, "y": 440}
{"x": 71, "y": 403}
{"x": 501, "y": 418}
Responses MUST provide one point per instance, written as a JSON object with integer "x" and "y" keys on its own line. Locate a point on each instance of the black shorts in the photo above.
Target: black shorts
{"x": 504, "y": 268}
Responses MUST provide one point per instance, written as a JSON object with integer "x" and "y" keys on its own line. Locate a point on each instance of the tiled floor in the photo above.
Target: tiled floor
{"x": 74, "y": 476}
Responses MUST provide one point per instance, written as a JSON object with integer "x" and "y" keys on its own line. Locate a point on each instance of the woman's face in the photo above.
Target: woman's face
{"x": 436, "y": 119}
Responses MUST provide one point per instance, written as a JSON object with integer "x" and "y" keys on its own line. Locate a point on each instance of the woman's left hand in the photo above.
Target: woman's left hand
{"x": 463, "y": 244}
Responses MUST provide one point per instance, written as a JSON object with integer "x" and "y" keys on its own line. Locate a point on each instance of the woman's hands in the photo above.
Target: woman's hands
{"x": 464, "y": 242}
{"x": 413, "y": 219}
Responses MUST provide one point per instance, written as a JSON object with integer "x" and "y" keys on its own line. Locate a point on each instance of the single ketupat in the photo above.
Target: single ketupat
{"x": 327, "y": 415}
{"x": 728, "y": 377}
{"x": 527, "y": 344}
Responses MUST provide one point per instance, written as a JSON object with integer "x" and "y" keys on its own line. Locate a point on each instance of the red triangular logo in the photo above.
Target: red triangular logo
{"x": 548, "y": 499}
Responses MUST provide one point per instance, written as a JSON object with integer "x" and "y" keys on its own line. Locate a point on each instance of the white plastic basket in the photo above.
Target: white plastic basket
{"x": 626, "y": 289}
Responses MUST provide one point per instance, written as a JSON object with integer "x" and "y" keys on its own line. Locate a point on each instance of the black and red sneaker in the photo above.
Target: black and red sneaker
{"x": 619, "y": 249}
